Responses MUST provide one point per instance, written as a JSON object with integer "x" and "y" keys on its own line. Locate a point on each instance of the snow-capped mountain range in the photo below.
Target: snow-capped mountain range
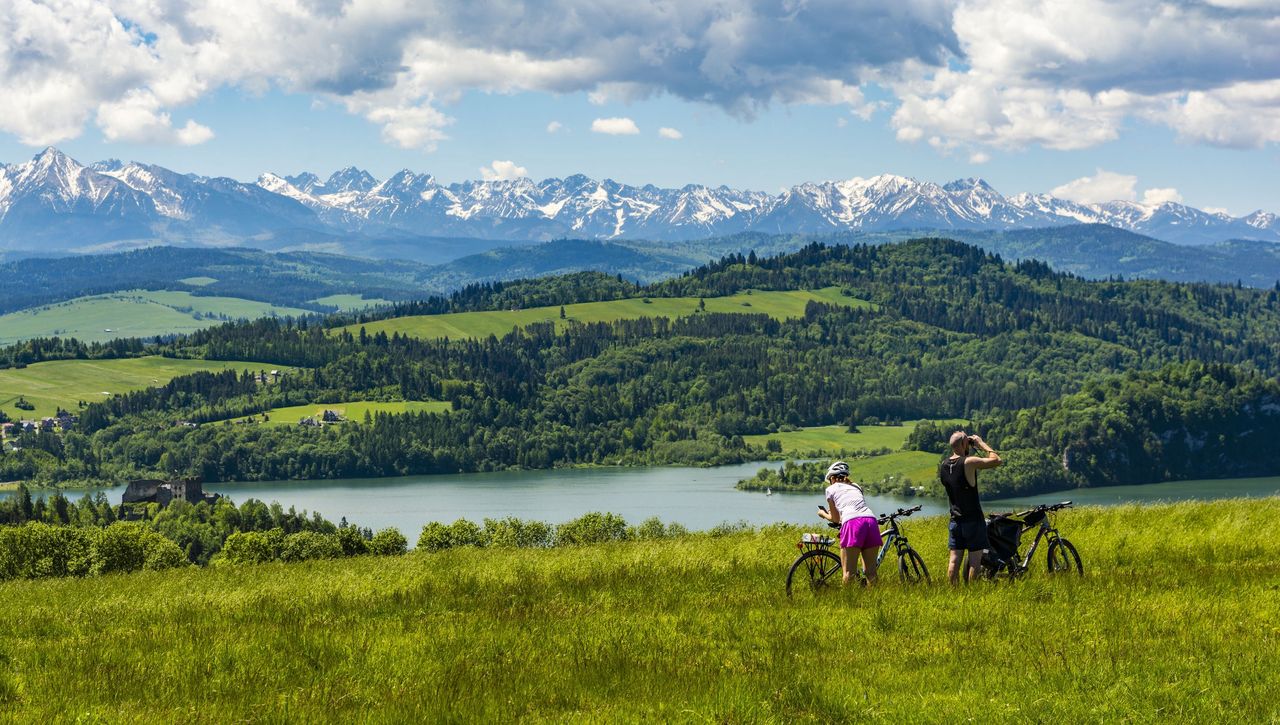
{"x": 53, "y": 202}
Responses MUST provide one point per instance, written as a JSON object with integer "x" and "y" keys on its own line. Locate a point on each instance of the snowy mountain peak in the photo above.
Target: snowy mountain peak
{"x": 350, "y": 179}
{"x": 53, "y": 197}
{"x": 969, "y": 184}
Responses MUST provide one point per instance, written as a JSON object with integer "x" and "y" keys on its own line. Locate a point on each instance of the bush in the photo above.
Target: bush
{"x": 308, "y": 545}
{"x": 649, "y": 530}
{"x": 592, "y": 528}
{"x": 512, "y": 532}
{"x": 388, "y": 542}
{"x": 160, "y": 553}
{"x": 118, "y": 548}
{"x": 248, "y": 547}
{"x": 465, "y": 533}
{"x": 434, "y": 537}
{"x": 37, "y": 550}
{"x": 351, "y": 541}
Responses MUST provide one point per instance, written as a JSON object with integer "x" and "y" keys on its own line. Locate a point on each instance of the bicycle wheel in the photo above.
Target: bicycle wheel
{"x": 815, "y": 572}
{"x": 1063, "y": 558}
{"x": 911, "y": 568}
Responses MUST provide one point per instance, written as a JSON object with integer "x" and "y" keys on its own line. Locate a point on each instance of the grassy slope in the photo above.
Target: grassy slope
{"x": 781, "y": 305}
{"x": 835, "y": 439}
{"x": 352, "y": 411}
{"x": 66, "y": 382}
{"x": 918, "y": 466}
{"x": 129, "y": 314}
{"x": 696, "y": 629}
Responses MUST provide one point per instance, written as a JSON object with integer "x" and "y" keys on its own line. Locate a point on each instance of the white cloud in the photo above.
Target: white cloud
{"x": 1160, "y": 196}
{"x": 503, "y": 171}
{"x": 65, "y": 64}
{"x": 615, "y": 126}
{"x": 1103, "y": 186}
{"x": 841, "y": 122}
{"x": 137, "y": 118}
{"x": 670, "y": 133}
{"x": 979, "y": 157}
{"x": 1067, "y": 75}
{"x": 554, "y": 126}
{"x": 970, "y": 73}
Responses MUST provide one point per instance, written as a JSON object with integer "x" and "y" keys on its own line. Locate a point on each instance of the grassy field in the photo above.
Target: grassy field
{"x": 780, "y": 305}
{"x": 350, "y": 301}
{"x": 64, "y": 383}
{"x": 131, "y": 314}
{"x": 918, "y": 466}
{"x": 833, "y": 440}
{"x": 351, "y": 411}
{"x": 697, "y": 629}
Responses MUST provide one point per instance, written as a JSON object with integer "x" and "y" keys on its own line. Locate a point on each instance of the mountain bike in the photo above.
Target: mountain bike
{"x": 817, "y": 569}
{"x": 1005, "y": 533}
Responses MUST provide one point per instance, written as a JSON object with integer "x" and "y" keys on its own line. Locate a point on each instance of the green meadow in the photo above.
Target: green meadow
{"x": 833, "y": 440}
{"x": 1161, "y": 628}
{"x": 354, "y": 411}
{"x": 777, "y": 304}
{"x": 64, "y": 383}
{"x": 136, "y": 313}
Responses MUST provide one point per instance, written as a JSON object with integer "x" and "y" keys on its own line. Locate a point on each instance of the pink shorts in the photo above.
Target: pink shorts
{"x": 860, "y": 533}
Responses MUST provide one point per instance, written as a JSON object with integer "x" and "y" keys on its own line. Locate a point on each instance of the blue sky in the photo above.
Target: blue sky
{"x": 764, "y": 97}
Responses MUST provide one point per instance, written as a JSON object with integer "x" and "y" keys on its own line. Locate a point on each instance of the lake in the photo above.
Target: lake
{"x": 699, "y": 498}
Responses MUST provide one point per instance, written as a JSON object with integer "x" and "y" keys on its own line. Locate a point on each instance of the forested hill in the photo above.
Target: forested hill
{"x": 951, "y": 332}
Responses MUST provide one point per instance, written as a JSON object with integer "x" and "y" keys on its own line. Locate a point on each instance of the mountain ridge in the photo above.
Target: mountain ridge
{"x": 59, "y": 203}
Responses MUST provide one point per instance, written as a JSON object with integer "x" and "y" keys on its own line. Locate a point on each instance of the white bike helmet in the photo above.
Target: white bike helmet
{"x": 838, "y": 468}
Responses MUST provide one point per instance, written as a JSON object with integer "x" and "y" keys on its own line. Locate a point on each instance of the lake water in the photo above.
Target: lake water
{"x": 699, "y": 498}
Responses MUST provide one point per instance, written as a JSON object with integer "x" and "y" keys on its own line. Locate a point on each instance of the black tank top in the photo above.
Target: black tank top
{"x": 963, "y": 497}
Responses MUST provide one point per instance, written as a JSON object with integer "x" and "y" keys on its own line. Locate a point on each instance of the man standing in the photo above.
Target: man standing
{"x": 968, "y": 528}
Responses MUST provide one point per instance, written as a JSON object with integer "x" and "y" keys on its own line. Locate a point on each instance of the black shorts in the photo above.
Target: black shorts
{"x": 967, "y": 536}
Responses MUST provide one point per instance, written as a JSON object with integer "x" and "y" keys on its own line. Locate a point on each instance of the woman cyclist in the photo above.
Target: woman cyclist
{"x": 859, "y": 528}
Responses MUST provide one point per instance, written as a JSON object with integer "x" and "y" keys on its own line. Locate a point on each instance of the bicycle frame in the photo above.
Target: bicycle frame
{"x": 1044, "y": 531}
{"x": 893, "y": 537}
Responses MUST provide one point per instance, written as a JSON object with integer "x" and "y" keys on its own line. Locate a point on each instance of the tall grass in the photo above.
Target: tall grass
{"x": 1174, "y": 620}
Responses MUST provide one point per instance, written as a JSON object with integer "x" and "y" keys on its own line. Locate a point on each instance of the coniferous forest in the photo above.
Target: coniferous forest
{"x": 1091, "y": 382}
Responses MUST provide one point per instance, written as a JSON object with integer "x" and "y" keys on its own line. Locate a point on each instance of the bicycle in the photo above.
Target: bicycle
{"x": 818, "y": 567}
{"x": 1005, "y": 532}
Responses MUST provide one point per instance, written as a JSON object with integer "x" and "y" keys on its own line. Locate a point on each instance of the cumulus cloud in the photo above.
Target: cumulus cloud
{"x": 554, "y": 126}
{"x": 1101, "y": 187}
{"x": 66, "y": 64}
{"x": 670, "y": 133}
{"x": 137, "y": 118}
{"x": 615, "y": 126}
{"x": 979, "y": 157}
{"x": 1064, "y": 74}
{"x": 503, "y": 171}
{"x": 1161, "y": 196}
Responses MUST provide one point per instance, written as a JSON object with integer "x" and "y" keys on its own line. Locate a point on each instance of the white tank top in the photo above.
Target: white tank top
{"x": 849, "y": 501}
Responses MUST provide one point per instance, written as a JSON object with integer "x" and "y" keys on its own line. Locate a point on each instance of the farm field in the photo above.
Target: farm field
{"x": 692, "y": 629}
{"x": 777, "y": 304}
{"x": 64, "y": 383}
{"x": 836, "y": 439}
{"x": 131, "y": 314}
{"x": 354, "y": 411}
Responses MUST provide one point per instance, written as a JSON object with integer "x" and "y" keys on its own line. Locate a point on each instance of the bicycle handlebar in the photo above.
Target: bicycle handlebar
{"x": 896, "y": 514}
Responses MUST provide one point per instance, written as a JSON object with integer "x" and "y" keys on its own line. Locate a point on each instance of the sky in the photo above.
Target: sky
{"x": 1094, "y": 101}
